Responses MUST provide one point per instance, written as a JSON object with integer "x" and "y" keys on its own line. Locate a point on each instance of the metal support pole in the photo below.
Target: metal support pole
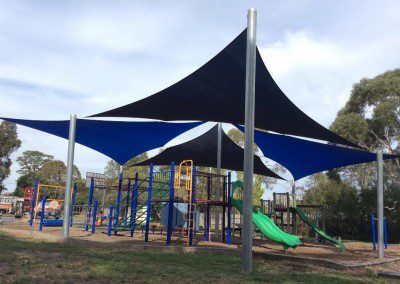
{"x": 42, "y": 213}
{"x": 134, "y": 204}
{"x": 373, "y": 232}
{"x": 171, "y": 203}
{"x": 68, "y": 185}
{"x": 118, "y": 205}
{"x": 96, "y": 203}
{"x": 72, "y": 206}
{"x": 249, "y": 141}
{"x": 217, "y": 184}
{"x": 33, "y": 201}
{"x": 380, "y": 203}
{"x": 128, "y": 193}
{"x": 89, "y": 204}
{"x": 385, "y": 233}
{"x": 207, "y": 229}
{"x": 110, "y": 220}
{"x": 192, "y": 225}
{"x": 148, "y": 212}
{"x": 294, "y": 204}
{"x": 228, "y": 237}
{"x": 288, "y": 213}
{"x": 223, "y": 209}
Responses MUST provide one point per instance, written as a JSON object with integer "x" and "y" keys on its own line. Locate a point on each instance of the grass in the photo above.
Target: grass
{"x": 24, "y": 260}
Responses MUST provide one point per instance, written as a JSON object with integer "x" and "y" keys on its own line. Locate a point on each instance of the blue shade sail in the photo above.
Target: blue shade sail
{"x": 302, "y": 157}
{"x": 119, "y": 140}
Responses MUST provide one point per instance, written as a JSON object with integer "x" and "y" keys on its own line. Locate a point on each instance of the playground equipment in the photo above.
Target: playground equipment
{"x": 140, "y": 202}
{"x": 282, "y": 206}
{"x": 373, "y": 232}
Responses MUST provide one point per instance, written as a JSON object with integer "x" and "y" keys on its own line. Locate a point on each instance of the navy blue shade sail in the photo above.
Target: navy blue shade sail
{"x": 215, "y": 92}
{"x": 203, "y": 151}
{"x": 119, "y": 140}
{"x": 303, "y": 158}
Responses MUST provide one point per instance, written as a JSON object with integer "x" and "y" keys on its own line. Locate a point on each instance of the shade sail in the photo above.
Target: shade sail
{"x": 303, "y": 157}
{"x": 203, "y": 151}
{"x": 215, "y": 92}
{"x": 119, "y": 140}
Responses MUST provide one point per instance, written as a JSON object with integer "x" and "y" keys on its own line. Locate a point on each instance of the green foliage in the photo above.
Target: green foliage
{"x": 9, "y": 143}
{"x": 371, "y": 118}
{"x": 32, "y": 161}
{"x": 54, "y": 172}
{"x": 111, "y": 171}
{"x": 340, "y": 202}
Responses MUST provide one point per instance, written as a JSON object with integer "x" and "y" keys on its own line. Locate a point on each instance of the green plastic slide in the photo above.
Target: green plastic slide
{"x": 318, "y": 230}
{"x": 268, "y": 227}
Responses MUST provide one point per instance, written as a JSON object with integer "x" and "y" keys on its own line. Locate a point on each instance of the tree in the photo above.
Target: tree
{"x": 9, "y": 143}
{"x": 112, "y": 169}
{"x": 32, "y": 161}
{"x": 55, "y": 172}
{"x": 370, "y": 118}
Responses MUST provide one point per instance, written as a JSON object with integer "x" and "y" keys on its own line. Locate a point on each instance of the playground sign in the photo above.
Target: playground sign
{"x": 99, "y": 180}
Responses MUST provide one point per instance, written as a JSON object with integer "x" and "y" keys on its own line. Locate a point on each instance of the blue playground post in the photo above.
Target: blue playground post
{"x": 228, "y": 239}
{"x": 110, "y": 221}
{"x": 148, "y": 212}
{"x": 373, "y": 231}
{"x": 128, "y": 193}
{"x": 191, "y": 229}
{"x": 207, "y": 231}
{"x": 33, "y": 201}
{"x": 134, "y": 204}
{"x": 385, "y": 233}
{"x": 89, "y": 204}
{"x": 117, "y": 207}
{"x": 72, "y": 206}
{"x": 96, "y": 203}
{"x": 171, "y": 203}
{"x": 223, "y": 209}
{"x": 42, "y": 213}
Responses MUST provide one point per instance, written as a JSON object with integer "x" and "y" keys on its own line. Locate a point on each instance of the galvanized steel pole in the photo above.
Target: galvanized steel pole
{"x": 249, "y": 141}
{"x": 68, "y": 185}
{"x": 380, "y": 203}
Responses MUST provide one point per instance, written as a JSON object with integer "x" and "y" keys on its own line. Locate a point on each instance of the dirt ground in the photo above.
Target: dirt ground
{"x": 358, "y": 252}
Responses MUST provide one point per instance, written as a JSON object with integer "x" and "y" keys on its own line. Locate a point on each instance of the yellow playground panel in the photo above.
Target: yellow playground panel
{"x": 186, "y": 181}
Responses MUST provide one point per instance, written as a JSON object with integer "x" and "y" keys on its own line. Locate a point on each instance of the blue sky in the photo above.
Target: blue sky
{"x": 83, "y": 57}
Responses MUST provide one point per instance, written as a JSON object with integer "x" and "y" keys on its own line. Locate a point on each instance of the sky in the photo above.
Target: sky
{"x": 84, "y": 57}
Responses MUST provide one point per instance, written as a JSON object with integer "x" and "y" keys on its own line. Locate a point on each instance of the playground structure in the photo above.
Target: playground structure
{"x": 137, "y": 206}
{"x": 284, "y": 210}
{"x": 153, "y": 203}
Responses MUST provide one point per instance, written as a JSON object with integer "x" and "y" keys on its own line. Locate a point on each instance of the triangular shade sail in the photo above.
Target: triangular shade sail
{"x": 203, "y": 151}
{"x": 119, "y": 140}
{"x": 303, "y": 158}
{"x": 215, "y": 92}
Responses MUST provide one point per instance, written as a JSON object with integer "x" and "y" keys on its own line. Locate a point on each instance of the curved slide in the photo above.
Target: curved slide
{"x": 268, "y": 227}
{"x": 318, "y": 230}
